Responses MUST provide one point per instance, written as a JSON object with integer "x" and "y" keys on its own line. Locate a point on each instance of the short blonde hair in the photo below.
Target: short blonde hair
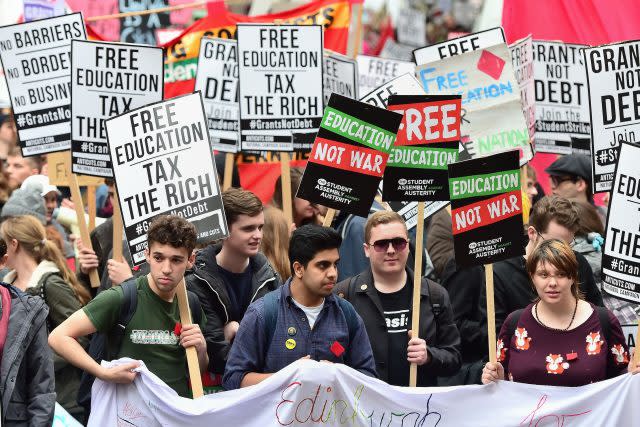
{"x": 382, "y": 217}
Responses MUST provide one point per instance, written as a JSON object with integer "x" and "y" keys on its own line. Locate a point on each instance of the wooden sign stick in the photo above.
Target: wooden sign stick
{"x": 417, "y": 285}
{"x": 229, "y": 159}
{"x": 286, "y": 187}
{"x": 491, "y": 312}
{"x": 192, "y": 355}
{"x": 91, "y": 202}
{"x": 328, "y": 218}
{"x": 117, "y": 228}
{"x": 82, "y": 224}
{"x": 355, "y": 31}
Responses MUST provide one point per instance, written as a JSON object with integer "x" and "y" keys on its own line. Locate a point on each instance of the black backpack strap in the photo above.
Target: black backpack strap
{"x": 605, "y": 324}
{"x": 127, "y": 310}
{"x": 350, "y": 316}
{"x": 194, "y": 307}
{"x": 270, "y": 315}
{"x": 436, "y": 298}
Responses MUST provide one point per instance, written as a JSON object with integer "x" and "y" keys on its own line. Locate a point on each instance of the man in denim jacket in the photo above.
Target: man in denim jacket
{"x": 302, "y": 319}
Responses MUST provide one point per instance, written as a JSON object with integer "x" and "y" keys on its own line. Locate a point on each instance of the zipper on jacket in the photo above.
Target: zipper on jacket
{"x": 260, "y": 287}
{"x": 217, "y": 295}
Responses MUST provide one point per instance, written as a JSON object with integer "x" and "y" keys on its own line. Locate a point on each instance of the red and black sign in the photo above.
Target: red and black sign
{"x": 427, "y": 143}
{"x": 349, "y": 155}
{"x": 486, "y": 209}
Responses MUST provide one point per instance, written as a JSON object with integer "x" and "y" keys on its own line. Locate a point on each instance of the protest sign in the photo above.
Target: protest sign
{"x": 409, "y": 211}
{"x": 217, "y": 81}
{"x": 41, "y": 9}
{"x": 374, "y": 71}
{"x": 562, "y": 108}
{"x": 486, "y": 209}
{"x": 107, "y": 80}
{"x": 393, "y": 50}
{"x": 163, "y": 164}
{"x": 280, "y": 70}
{"x": 36, "y": 57}
{"x": 349, "y": 155}
{"x": 492, "y": 116}
{"x": 182, "y": 52}
{"x": 522, "y": 62}
{"x": 309, "y": 393}
{"x": 142, "y": 28}
{"x": 621, "y": 255}
{"x": 340, "y": 76}
{"x": 411, "y": 27}
{"x": 581, "y": 145}
{"x": 460, "y": 45}
{"x": 613, "y": 76}
{"x": 406, "y": 84}
{"x": 427, "y": 142}
{"x": 59, "y": 167}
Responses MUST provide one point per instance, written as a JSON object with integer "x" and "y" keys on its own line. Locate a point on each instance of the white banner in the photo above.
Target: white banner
{"x": 492, "y": 114}
{"x": 316, "y": 393}
{"x": 340, "y": 76}
{"x": 562, "y": 108}
{"x": 217, "y": 81}
{"x": 36, "y": 57}
{"x": 522, "y": 62}
{"x": 107, "y": 80}
{"x": 460, "y": 45}
{"x": 374, "y": 71}
{"x": 621, "y": 255}
{"x": 163, "y": 164}
{"x": 280, "y": 84}
{"x": 613, "y": 76}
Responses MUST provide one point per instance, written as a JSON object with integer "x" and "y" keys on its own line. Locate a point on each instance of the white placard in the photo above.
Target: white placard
{"x": 522, "y": 62}
{"x": 280, "y": 84}
{"x": 163, "y": 164}
{"x": 36, "y": 57}
{"x": 492, "y": 116}
{"x": 562, "y": 108}
{"x": 374, "y": 71}
{"x": 340, "y": 76}
{"x": 393, "y": 50}
{"x": 621, "y": 255}
{"x": 412, "y": 27}
{"x": 217, "y": 81}
{"x": 460, "y": 45}
{"x": 108, "y": 79}
{"x": 613, "y": 74}
{"x": 406, "y": 84}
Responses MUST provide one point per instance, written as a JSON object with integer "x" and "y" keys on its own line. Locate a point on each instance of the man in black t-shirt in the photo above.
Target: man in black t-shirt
{"x": 229, "y": 276}
{"x": 382, "y": 296}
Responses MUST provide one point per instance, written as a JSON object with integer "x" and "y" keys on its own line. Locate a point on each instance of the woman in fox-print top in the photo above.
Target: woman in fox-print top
{"x": 559, "y": 339}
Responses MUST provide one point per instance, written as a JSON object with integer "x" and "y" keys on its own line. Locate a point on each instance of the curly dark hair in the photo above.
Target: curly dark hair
{"x": 172, "y": 230}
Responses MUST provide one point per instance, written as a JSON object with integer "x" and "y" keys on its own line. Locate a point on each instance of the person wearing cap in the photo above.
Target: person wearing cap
{"x": 570, "y": 177}
{"x": 50, "y": 194}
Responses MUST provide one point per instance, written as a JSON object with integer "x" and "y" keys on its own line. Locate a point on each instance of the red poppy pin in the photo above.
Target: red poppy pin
{"x": 337, "y": 349}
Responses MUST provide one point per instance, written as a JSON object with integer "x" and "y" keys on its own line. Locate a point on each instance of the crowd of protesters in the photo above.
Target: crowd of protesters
{"x": 273, "y": 292}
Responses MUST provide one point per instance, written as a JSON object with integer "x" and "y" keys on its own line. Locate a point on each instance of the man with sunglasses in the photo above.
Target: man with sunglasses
{"x": 570, "y": 177}
{"x": 552, "y": 217}
{"x": 382, "y": 296}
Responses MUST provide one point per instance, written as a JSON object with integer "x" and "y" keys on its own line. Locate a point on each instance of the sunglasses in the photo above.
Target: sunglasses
{"x": 399, "y": 244}
{"x": 557, "y": 180}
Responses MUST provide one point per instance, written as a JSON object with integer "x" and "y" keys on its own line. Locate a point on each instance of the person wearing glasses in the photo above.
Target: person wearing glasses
{"x": 570, "y": 177}
{"x": 559, "y": 339}
{"x": 382, "y": 296}
{"x": 552, "y": 217}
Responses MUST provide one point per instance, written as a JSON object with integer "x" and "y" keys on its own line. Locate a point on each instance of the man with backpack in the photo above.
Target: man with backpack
{"x": 153, "y": 332}
{"x": 302, "y": 319}
{"x": 382, "y": 295}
